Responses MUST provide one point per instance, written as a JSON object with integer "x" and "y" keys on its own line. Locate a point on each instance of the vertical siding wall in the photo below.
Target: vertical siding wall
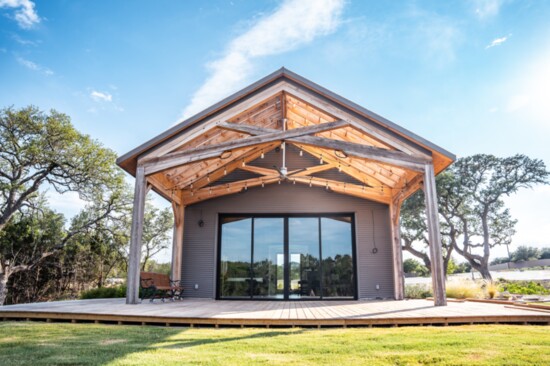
{"x": 371, "y": 221}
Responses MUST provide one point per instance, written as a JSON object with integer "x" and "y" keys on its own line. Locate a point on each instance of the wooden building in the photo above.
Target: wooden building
{"x": 285, "y": 190}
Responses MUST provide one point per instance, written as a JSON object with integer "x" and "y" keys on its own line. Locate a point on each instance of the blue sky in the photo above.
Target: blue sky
{"x": 471, "y": 76}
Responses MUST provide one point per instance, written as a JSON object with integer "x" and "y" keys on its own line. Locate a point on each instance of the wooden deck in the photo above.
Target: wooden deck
{"x": 197, "y": 312}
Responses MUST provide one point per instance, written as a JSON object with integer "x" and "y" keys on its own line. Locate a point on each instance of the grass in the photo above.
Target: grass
{"x": 33, "y": 343}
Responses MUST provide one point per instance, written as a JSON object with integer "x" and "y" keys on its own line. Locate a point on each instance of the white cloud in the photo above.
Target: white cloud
{"x": 34, "y": 66}
{"x": 25, "y": 15}
{"x": 497, "y": 42}
{"x": 101, "y": 96}
{"x": 292, "y": 24}
{"x": 486, "y": 9}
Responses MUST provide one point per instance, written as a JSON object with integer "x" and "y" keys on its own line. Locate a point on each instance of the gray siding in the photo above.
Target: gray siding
{"x": 371, "y": 220}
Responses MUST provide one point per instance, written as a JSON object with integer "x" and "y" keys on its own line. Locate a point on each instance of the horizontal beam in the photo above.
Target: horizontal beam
{"x": 158, "y": 164}
{"x": 190, "y": 197}
{"x": 390, "y": 157}
{"x": 245, "y": 128}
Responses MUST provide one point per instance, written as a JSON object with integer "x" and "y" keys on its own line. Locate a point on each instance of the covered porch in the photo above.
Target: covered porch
{"x": 352, "y": 151}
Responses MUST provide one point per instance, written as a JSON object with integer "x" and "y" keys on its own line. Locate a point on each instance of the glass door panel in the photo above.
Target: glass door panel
{"x": 236, "y": 236}
{"x": 337, "y": 266}
{"x": 268, "y": 258}
{"x": 304, "y": 258}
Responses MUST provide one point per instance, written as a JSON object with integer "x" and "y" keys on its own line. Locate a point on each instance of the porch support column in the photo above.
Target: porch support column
{"x": 397, "y": 252}
{"x": 140, "y": 192}
{"x": 434, "y": 236}
{"x": 177, "y": 243}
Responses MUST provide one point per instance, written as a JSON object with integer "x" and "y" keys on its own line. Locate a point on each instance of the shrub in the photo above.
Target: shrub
{"x": 417, "y": 291}
{"x": 524, "y": 288}
{"x": 104, "y": 292}
{"x": 464, "y": 289}
{"x": 491, "y": 290}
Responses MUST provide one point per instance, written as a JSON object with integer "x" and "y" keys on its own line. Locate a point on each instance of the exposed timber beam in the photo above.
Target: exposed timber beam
{"x": 390, "y": 157}
{"x": 434, "y": 236}
{"x": 177, "y": 242}
{"x": 190, "y": 197}
{"x": 397, "y": 251}
{"x": 379, "y": 195}
{"x": 140, "y": 193}
{"x": 245, "y": 128}
{"x": 171, "y": 160}
{"x": 220, "y": 168}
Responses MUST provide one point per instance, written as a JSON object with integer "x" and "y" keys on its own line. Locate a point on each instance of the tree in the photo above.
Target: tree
{"x": 472, "y": 212}
{"x": 472, "y": 202}
{"x": 40, "y": 150}
{"x": 525, "y": 253}
{"x": 414, "y": 267}
{"x": 157, "y": 225}
{"x": 414, "y": 230}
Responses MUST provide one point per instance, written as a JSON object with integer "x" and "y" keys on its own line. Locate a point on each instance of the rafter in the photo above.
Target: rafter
{"x": 219, "y": 168}
{"x": 157, "y": 164}
{"x": 390, "y": 157}
{"x": 193, "y": 196}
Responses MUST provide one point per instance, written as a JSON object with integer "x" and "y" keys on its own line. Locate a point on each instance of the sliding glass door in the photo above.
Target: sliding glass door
{"x": 286, "y": 257}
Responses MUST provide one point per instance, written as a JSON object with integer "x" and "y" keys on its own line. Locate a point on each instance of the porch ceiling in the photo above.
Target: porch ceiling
{"x": 190, "y": 168}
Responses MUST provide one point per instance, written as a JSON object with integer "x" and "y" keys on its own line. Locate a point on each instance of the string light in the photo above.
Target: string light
{"x": 263, "y": 184}
{"x": 244, "y": 163}
{"x": 310, "y": 182}
{"x": 321, "y": 159}
{"x": 339, "y": 167}
{"x": 262, "y": 156}
{"x": 210, "y": 190}
{"x": 224, "y": 171}
{"x": 301, "y": 152}
{"x": 246, "y": 186}
{"x": 208, "y": 178}
{"x": 192, "y": 193}
{"x": 293, "y": 181}
{"x": 279, "y": 181}
{"x": 326, "y": 185}
{"x": 227, "y": 188}
{"x": 191, "y": 185}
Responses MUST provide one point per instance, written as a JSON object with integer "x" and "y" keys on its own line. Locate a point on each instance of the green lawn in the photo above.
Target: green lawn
{"x": 33, "y": 343}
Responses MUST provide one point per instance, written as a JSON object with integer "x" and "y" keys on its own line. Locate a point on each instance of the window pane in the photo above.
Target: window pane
{"x": 338, "y": 274}
{"x": 268, "y": 265}
{"x": 235, "y": 257}
{"x": 303, "y": 245}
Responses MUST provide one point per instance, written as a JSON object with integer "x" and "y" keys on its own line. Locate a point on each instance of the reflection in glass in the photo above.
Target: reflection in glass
{"x": 303, "y": 247}
{"x": 337, "y": 264}
{"x": 268, "y": 258}
{"x": 235, "y": 257}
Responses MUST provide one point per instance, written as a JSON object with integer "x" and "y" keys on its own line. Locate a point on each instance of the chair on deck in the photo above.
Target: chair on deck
{"x": 158, "y": 285}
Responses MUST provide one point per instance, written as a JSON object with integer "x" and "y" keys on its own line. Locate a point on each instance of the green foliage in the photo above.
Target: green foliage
{"x": 524, "y": 288}
{"x": 104, "y": 293}
{"x": 418, "y": 291}
{"x": 154, "y": 266}
{"x": 525, "y": 253}
{"x": 414, "y": 267}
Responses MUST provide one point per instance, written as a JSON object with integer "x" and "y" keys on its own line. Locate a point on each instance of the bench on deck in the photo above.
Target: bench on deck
{"x": 158, "y": 285}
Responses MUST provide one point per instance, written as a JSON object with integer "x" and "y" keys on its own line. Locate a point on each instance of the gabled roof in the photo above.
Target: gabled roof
{"x": 128, "y": 161}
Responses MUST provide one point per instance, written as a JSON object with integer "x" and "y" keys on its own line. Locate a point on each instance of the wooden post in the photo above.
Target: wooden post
{"x": 140, "y": 192}
{"x": 397, "y": 252}
{"x": 434, "y": 236}
{"x": 177, "y": 243}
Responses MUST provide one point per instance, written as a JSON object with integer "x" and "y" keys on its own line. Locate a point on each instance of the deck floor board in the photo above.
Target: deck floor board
{"x": 207, "y": 311}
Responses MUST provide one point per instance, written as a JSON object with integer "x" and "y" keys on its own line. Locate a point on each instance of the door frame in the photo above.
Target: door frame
{"x": 285, "y": 217}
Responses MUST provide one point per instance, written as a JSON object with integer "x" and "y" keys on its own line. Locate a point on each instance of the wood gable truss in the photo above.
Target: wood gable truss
{"x": 375, "y": 159}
